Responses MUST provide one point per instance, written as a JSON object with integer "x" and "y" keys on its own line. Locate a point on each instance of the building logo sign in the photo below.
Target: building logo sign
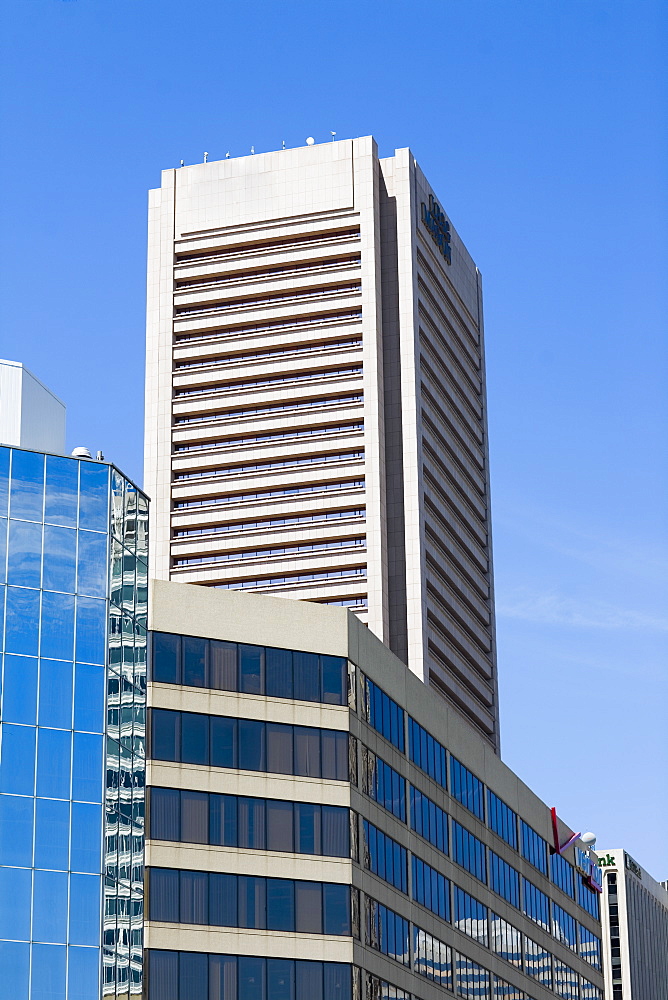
{"x": 632, "y": 865}
{"x": 607, "y": 861}
{"x": 434, "y": 219}
{"x": 586, "y": 866}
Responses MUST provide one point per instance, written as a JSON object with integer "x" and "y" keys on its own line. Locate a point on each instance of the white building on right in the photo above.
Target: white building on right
{"x": 634, "y": 917}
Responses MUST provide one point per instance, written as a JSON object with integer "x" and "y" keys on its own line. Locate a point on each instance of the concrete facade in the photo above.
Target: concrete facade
{"x": 635, "y": 929}
{"x": 31, "y": 416}
{"x": 276, "y": 623}
{"x": 315, "y": 401}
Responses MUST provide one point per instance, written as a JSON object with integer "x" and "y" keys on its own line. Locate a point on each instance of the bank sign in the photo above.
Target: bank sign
{"x": 589, "y": 868}
{"x": 434, "y": 219}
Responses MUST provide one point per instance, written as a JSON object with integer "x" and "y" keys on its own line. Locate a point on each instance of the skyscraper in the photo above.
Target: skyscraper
{"x": 73, "y": 590}
{"x": 316, "y": 422}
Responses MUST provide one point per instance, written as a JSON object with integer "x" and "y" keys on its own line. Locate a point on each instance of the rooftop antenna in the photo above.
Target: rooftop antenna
{"x": 252, "y": 150}
{"x": 182, "y": 163}
{"x": 227, "y": 155}
{"x": 310, "y": 141}
{"x": 206, "y": 157}
{"x": 283, "y": 146}
{"x": 332, "y": 135}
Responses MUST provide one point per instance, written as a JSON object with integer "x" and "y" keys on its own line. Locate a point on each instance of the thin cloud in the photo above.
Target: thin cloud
{"x": 554, "y": 609}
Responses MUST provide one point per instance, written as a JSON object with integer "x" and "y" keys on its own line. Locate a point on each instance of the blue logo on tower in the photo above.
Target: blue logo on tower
{"x": 439, "y": 227}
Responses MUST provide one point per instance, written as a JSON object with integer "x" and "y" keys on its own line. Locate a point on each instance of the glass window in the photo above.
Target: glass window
{"x": 15, "y": 966}
{"x": 62, "y": 487}
{"x": 223, "y": 900}
{"x": 468, "y": 851}
{"x": 252, "y": 749}
{"x": 224, "y": 741}
{"x": 280, "y": 904}
{"x": 223, "y": 665}
{"x": 55, "y": 694}
{"x": 22, "y": 621}
{"x": 17, "y": 765}
{"x": 27, "y": 488}
{"x": 306, "y": 676}
{"x": 334, "y": 754}
{"x": 57, "y": 636}
{"x": 281, "y": 979}
{"x": 94, "y": 496}
{"x": 84, "y": 909}
{"x": 251, "y": 669}
{"x": 252, "y": 978}
{"x": 165, "y": 662}
{"x": 502, "y": 990}
{"x": 432, "y": 958}
{"x": 60, "y": 547}
{"x": 307, "y": 828}
{"x": 52, "y": 834}
{"x": 194, "y": 738}
{"x": 537, "y": 962}
{"x": 25, "y": 554}
{"x": 91, "y": 630}
{"x": 502, "y": 819}
{"x": 251, "y": 820}
{"x": 164, "y": 895}
{"x": 336, "y": 832}
{"x": 504, "y": 879}
{"x": 165, "y": 814}
{"x": 386, "y": 931}
{"x": 587, "y": 898}
{"x": 334, "y": 679}
{"x": 16, "y": 830}
{"x": 472, "y": 979}
{"x": 308, "y": 907}
{"x": 194, "y": 817}
{"x": 561, "y": 873}
{"x": 86, "y": 837}
{"x": 307, "y": 751}
{"x": 383, "y": 784}
{"x": 87, "y": 768}
{"x": 536, "y": 904}
{"x": 280, "y": 754}
{"x": 534, "y": 848}
{"x": 193, "y": 897}
{"x": 430, "y": 888}
{"x": 471, "y": 916}
{"x": 385, "y": 857}
{"x": 165, "y": 735}
{"x": 54, "y": 750}
{"x": 48, "y": 971}
{"x": 590, "y": 947}
{"x": 4, "y": 480}
{"x": 15, "y": 896}
{"x": 163, "y": 975}
{"x": 336, "y": 909}
{"x": 252, "y": 902}
{"x": 309, "y": 980}
{"x": 49, "y": 916}
{"x": 566, "y": 981}
{"x": 92, "y": 564}
{"x": 466, "y": 788}
{"x": 194, "y": 662}
{"x": 19, "y": 690}
{"x": 381, "y": 712}
{"x": 429, "y": 820}
{"x": 506, "y": 940}
{"x": 223, "y": 820}
{"x": 426, "y": 752}
{"x": 280, "y": 826}
{"x": 89, "y": 698}
{"x": 193, "y": 975}
{"x": 563, "y": 926}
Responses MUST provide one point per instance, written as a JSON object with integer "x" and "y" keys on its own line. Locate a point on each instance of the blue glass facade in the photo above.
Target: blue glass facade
{"x": 73, "y": 583}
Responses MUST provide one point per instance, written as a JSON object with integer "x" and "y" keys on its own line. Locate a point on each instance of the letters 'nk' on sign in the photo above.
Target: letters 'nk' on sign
{"x": 439, "y": 227}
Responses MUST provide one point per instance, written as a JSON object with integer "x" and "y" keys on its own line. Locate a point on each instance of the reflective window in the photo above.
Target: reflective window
{"x": 182, "y": 975}
{"x": 48, "y": 971}
{"x": 91, "y": 622}
{"x": 86, "y": 843}
{"x": 588, "y": 991}
{"x": 466, "y": 788}
{"x": 563, "y": 926}
{"x": 385, "y": 857}
{"x": 432, "y": 958}
{"x": 26, "y": 499}
{"x": 383, "y": 784}
{"x": 230, "y": 666}
{"x": 218, "y": 741}
{"x": 472, "y": 979}
{"x": 430, "y": 888}
{"x": 49, "y": 915}
{"x": 502, "y": 990}
{"x": 561, "y": 873}
{"x": 429, "y": 820}
{"x": 15, "y": 966}
{"x": 504, "y": 879}
{"x": 60, "y": 548}
{"x": 468, "y": 851}
{"x": 62, "y": 484}
{"x": 566, "y": 981}
{"x": 94, "y": 496}
{"x": 587, "y": 898}
{"x": 19, "y": 690}
{"x": 24, "y": 554}
{"x": 537, "y": 962}
{"x": 589, "y": 946}
{"x": 16, "y": 830}
{"x": 506, "y": 940}
{"x": 52, "y": 834}
{"x": 534, "y": 848}
{"x": 471, "y": 916}
{"x": 15, "y": 897}
{"x": 55, "y": 694}
{"x": 92, "y": 565}
{"x": 89, "y": 685}
{"x": 386, "y": 931}
{"x": 426, "y": 752}
{"x": 249, "y": 901}
{"x": 22, "y": 621}
{"x": 536, "y": 904}
{"x": 84, "y": 907}
{"x": 17, "y": 765}
{"x": 381, "y": 712}
{"x": 378, "y": 989}
{"x": 502, "y": 819}
{"x": 57, "y": 635}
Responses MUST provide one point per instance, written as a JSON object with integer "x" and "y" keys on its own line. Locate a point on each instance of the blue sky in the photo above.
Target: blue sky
{"x": 541, "y": 126}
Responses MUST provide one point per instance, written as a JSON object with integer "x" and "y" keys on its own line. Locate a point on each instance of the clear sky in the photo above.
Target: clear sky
{"x": 540, "y": 123}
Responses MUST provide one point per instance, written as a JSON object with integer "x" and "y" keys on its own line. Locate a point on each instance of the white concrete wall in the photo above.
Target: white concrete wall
{"x": 31, "y": 416}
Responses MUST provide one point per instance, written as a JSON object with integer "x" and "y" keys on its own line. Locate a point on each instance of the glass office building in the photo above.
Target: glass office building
{"x": 73, "y": 584}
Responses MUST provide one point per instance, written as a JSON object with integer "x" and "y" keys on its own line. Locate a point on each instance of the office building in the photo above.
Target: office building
{"x": 31, "y": 416}
{"x": 320, "y": 827}
{"x": 73, "y": 589}
{"x": 634, "y": 915}
{"x": 315, "y": 401}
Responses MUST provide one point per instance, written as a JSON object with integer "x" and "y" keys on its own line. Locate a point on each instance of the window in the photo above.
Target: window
{"x": 378, "y": 989}
{"x": 256, "y": 824}
{"x": 537, "y": 962}
{"x": 231, "y": 666}
{"x": 466, "y": 788}
{"x": 472, "y": 979}
{"x": 501, "y": 990}
{"x": 536, "y": 904}
{"x": 588, "y": 991}
{"x": 468, "y": 851}
{"x": 506, "y": 940}
{"x": 385, "y": 857}
{"x": 534, "y": 848}
{"x": 174, "y": 975}
{"x": 590, "y": 946}
{"x": 429, "y": 820}
{"x": 502, "y": 819}
{"x": 386, "y": 931}
{"x": 504, "y": 879}
{"x": 432, "y": 958}
{"x": 566, "y": 982}
{"x": 426, "y": 752}
{"x": 471, "y": 916}
{"x": 430, "y": 888}
{"x": 383, "y": 784}
{"x": 218, "y": 741}
{"x": 561, "y": 873}
{"x": 249, "y": 901}
{"x": 587, "y": 898}
{"x": 563, "y": 926}
{"x": 381, "y": 712}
